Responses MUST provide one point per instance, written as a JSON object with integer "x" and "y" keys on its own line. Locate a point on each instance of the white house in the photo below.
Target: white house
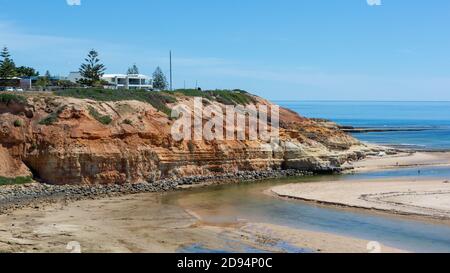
{"x": 123, "y": 81}
{"x": 74, "y": 77}
{"x": 120, "y": 81}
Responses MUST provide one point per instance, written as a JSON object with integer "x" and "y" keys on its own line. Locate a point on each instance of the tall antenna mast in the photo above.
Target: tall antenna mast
{"x": 170, "y": 53}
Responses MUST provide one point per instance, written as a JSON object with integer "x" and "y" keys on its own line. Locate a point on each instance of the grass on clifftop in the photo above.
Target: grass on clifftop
{"x": 15, "y": 181}
{"x": 159, "y": 100}
{"x": 7, "y": 98}
{"x": 156, "y": 99}
{"x": 227, "y": 97}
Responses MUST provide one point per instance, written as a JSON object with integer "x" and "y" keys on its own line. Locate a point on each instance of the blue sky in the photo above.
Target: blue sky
{"x": 283, "y": 50}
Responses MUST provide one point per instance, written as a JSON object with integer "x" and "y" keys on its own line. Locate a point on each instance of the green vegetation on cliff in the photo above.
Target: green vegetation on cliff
{"x": 156, "y": 99}
{"x": 105, "y": 120}
{"x": 227, "y": 97}
{"x": 159, "y": 100}
{"x": 8, "y": 98}
{"x": 49, "y": 120}
{"x": 15, "y": 181}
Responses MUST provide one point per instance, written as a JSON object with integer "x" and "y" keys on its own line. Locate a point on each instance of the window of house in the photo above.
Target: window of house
{"x": 135, "y": 81}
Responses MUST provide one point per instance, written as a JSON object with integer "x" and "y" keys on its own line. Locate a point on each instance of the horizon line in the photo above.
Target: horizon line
{"x": 274, "y": 100}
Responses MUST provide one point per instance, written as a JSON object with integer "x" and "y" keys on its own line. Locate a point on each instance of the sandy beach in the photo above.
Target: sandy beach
{"x": 400, "y": 160}
{"x": 427, "y": 198}
{"x": 418, "y": 197}
{"x": 142, "y": 223}
{"x": 148, "y": 223}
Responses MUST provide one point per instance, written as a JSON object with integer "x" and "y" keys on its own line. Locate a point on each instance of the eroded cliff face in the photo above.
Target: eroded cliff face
{"x": 60, "y": 142}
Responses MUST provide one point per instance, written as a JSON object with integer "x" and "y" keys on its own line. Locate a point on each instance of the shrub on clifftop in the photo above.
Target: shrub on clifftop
{"x": 227, "y": 97}
{"x": 11, "y": 98}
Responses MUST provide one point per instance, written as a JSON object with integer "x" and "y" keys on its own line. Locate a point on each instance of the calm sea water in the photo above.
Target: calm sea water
{"x": 435, "y": 116}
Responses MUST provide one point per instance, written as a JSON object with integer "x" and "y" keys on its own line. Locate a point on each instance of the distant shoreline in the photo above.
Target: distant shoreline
{"x": 365, "y": 101}
{"x": 357, "y": 130}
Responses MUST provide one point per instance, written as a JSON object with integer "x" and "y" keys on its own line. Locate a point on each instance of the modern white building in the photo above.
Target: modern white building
{"x": 123, "y": 81}
{"x": 120, "y": 81}
{"x": 74, "y": 77}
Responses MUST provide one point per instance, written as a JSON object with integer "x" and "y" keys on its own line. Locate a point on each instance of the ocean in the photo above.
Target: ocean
{"x": 433, "y": 117}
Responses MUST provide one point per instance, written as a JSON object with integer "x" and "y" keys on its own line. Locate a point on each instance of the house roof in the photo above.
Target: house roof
{"x": 13, "y": 78}
{"x": 138, "y": 76}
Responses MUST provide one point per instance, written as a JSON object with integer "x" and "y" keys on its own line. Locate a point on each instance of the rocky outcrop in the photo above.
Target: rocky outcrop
{"x": 65, "y": 141}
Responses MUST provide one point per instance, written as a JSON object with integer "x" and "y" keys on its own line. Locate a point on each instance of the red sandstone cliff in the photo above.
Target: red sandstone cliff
{"x": 75, "y": 148}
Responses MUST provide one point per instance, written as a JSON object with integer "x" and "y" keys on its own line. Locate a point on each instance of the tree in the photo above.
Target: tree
{"x": 24, "y": 71}
{"x": 66, "y": 84}
{"x": 134, "y": 70}
{"x": 7, "y": 66}
{"x": 48, "y": 75}
{"x": 92, "y": 70}
{"x": 43, "y": 82}
{"x": 159, "y": 79}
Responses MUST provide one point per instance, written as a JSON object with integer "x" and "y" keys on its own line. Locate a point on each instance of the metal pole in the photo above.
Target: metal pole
{"x": 170, "y": 53}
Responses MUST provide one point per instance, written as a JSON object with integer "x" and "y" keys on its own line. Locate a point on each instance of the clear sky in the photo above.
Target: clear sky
{"x": 283, "y": 50}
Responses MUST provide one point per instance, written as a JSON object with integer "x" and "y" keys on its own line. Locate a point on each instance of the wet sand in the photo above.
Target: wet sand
{"x": 427, "y": 198}
{"x": 143, "y": 223}
{"x": 421, "y": 198}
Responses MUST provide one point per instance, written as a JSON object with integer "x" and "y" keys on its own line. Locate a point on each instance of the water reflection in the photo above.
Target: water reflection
{"x": 233, "y": 203}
